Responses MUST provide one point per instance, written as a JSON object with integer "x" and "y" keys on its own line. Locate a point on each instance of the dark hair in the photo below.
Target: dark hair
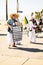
{"x": 40, "y": 19}
{"x": 34, "y": 22}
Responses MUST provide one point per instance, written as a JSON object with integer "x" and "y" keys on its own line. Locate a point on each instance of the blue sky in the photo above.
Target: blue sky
{"x": 27, "y": 6}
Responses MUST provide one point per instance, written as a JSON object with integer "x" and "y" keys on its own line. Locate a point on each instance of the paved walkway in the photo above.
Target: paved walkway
{"x": 24, "y": 54}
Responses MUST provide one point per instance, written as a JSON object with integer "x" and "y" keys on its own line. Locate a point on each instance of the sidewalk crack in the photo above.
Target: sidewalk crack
{"x": 25, "y": 61}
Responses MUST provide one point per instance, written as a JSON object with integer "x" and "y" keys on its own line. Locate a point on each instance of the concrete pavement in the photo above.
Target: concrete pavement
{"x": 24, "y": 54}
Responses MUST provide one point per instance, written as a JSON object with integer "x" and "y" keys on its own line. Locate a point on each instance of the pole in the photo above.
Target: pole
{"x": 6, "y": 9}
{"x": 17, "y": 6}
{"x": 18, "y": 11}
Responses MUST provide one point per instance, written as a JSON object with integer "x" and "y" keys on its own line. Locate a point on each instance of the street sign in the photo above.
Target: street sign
{"x": 19, "y": 11}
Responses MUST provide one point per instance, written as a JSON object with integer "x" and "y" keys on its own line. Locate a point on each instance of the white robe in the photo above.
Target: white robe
{"x": 32, "y": 36}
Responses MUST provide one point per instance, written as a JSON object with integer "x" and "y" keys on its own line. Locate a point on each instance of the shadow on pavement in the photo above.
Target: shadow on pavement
{"x": 3, "y": 34}
{"x": 39, "y": 36}
{"x": 28, "y": 49}
{"x": 38, "y": 43}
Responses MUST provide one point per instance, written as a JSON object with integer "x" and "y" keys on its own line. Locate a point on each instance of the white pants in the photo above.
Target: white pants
{"x": 32, "y": 36}
{"x": 10, "y": 38}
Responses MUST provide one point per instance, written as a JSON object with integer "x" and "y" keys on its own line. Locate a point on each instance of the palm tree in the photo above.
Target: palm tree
{"x": 6, "y": 9}
{"x": 17, "y": 6}
{"x": 39, "y": 15}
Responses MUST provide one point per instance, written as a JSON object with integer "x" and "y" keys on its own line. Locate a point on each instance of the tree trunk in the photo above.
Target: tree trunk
{"x": 6, "y": 9}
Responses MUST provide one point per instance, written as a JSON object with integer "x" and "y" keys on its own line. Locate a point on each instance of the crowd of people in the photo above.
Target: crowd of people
{"x": 33, "y": 25}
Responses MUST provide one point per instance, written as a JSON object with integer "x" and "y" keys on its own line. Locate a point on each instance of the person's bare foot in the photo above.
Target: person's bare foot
{"x": 9, "y": 46}
{"x": 32, "y": 42}
{"x": 14, "y": 45}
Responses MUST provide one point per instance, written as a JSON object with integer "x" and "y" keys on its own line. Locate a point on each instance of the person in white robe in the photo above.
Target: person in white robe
{"x": 32, "y": 28}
